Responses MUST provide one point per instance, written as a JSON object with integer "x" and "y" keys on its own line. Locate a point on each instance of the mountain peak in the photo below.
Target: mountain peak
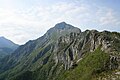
{"x": 6, "y": 46}
{"x": 2, "y": 37}
{"x": 4, "y": 42}
{"x": 61, "y": 29}
{"x": 62, "y": 22}
{"x": 63, "y": 25}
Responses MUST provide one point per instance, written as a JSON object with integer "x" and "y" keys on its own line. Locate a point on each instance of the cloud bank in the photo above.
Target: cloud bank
{"x": 21, "y": 25}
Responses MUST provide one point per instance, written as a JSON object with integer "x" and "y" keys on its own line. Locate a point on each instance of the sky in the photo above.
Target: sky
{"x": 24, "y": 20}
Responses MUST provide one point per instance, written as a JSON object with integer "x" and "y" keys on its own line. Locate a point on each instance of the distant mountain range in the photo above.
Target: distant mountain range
{"x": 6, "y": 46}
{"x": 64, "y": 52}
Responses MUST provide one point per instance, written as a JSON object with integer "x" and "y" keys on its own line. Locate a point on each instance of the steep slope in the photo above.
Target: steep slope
{"x": 64, "y": 53}
{"x": 28, "y": 54}
{"x": 100, "y": 62}
{"x": 6, "y": 46}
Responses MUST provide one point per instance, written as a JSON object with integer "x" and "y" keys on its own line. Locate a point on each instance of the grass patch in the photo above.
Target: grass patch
{"x": 92, "y": 64}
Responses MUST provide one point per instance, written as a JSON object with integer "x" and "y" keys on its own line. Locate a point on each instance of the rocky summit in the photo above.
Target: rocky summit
{"x": 64, "y": 52}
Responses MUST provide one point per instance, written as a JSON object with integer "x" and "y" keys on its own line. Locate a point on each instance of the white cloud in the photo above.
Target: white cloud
{"x": 20, "y": 26}
{"x": 107, "y": 16}
{"x": 23, "y": 25}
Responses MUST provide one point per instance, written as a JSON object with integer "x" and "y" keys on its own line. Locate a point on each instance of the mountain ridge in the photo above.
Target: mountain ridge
{"x": 6, "y": 46}
{"x": 4, "y": 41}
{"x": 62, "y": 50}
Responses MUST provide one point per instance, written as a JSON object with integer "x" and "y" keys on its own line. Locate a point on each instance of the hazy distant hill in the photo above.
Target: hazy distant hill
{"x": 6, "y": 46}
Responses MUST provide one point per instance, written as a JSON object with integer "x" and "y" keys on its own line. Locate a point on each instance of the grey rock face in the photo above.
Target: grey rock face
{"x": 72, "y": 47}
